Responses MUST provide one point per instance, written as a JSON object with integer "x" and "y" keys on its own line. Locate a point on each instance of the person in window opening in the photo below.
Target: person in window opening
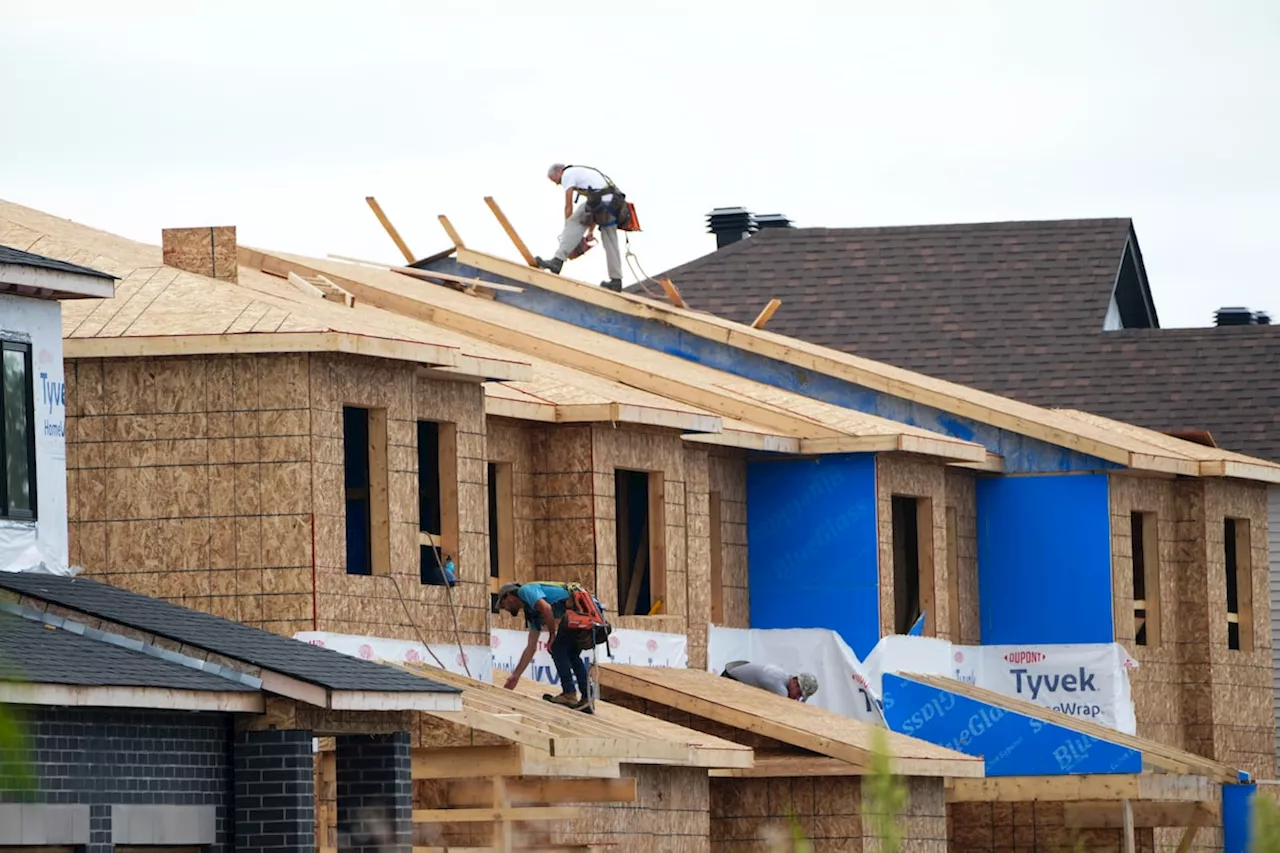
{"x": 766, "y": 676}
{"x": 544, "y": 606}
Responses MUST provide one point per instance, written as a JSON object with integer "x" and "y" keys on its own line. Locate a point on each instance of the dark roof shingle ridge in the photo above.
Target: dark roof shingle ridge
{"x": 21, "y": 257}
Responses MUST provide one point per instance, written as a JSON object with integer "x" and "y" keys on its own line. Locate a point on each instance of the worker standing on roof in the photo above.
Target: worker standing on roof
{"x": 766, "y": 676}
{"x": 603, "y": 206}
{"x": 544, "y": 606}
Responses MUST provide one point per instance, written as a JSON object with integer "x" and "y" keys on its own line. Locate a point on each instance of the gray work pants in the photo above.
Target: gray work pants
{"x": 575, "y": 227}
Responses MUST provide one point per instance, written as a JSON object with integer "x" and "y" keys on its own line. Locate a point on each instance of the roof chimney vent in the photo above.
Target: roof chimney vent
{"x": 772, "y": 220}
{"x": 730, "y": 225}
{"x": 1233, "y": 317}
{"x": 204, "y": 251}
{"x": 1262, "y": 318}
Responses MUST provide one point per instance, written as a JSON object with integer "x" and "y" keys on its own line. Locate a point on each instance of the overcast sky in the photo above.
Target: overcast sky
{"x": 280, "y": 116}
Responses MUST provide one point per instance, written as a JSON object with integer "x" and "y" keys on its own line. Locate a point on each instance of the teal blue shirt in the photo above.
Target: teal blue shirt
{"x": 531, "y": 593}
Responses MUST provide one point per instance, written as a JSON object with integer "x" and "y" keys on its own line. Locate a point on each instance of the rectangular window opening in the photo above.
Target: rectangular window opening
{"x": 437, "y": 501}
{"x": 717, "y": 559}
{"x": 18, "y": 437}
{"x": 1239, "y": 568}
{"x": 640, "y": 521}
{"x": 364, "y": 457}
{"x": 912, "y": 563}
{"x": 501, "y": 525}
{"x": 1144, "y": 534}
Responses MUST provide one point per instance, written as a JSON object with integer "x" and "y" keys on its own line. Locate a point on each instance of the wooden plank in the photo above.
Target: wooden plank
{"x": 926, "y": 565}
{"x": 1156, "y": 754}
{"x": 1145, "y": 814}
{"x": 766, "y": 313}
{"x": 545, "y": 791}
{"x": 305, "y": 286}
{"x": 1129, "y": 834}
{"x": 657, "y": 540}
{"x": 458, "y": 279}
{"x": 1112, "y": 787}
{"x": 753, "y": 710}
{"x": 390, "y": 229}
{"x": 481, "y": 815}
{"x": 447, "y": 433}
{"x": 253, "y": 343}
{"x": 467, "y": 762}
{"x": 451, "y": 231}
{"x": 797, "y": 766}
{"x": 715, "y": 523}
{"x": 673, "y": 293}
{"x": 379, "y": 495}
{"x": 511, "y": 232}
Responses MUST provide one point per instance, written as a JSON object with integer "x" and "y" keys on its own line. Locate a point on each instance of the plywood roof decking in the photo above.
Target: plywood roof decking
{"x": 524, "y": 717}
{"x": 1156, "y": 755}
{"x": 773, "y": 409}
{"x": 1136, "y": 448}
{"x": 818, "y": 730}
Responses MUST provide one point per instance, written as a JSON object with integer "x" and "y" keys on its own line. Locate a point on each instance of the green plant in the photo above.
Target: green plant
{"x": 16, "y": 773}
{"x": 884, "y": 795}
{"x": 1266, "y": 825}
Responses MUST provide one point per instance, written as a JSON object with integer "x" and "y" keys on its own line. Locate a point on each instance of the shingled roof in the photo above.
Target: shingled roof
{"x": 1014, "y": 308}
{"x": 10, "y": 255}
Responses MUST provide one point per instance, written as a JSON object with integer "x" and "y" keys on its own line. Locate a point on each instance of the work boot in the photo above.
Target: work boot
{"x": 583, "y": 705}
{"x": 552, "y": 265}
{"x": 568, "y": 700}
{"x": 614, "y": 284}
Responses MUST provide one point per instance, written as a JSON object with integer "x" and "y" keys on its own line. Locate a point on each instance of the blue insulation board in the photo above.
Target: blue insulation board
{"x": 1010, "y": 744}
{"x": 1237, "y": 817}
{"x": 1021, "y": 454}
{"x": 812, "y": 546}
{"x": 1044, "y": 560}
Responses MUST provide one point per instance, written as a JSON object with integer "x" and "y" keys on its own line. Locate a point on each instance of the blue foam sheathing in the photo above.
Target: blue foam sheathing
{"x": 1010, "y": 744}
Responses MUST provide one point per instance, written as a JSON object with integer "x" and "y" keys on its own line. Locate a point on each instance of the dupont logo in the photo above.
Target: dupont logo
{"x": 317, "y": 642}
{"x": 366, "y": 651}
{"x": 1025, "y": 657}
{"x": 412, "y": 656}
{"x": 651, "y": 644}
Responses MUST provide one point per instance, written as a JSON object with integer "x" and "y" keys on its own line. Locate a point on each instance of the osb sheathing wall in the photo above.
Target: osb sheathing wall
{"x": 206, "y": 251}
{"x": 962, "y": 498}
{"x": 189, "y": 479}
{"x": 1191, "y": 690}
{"x": 195, "y": 479}
{"x": 384, "y": 605}
{"x": 728, "y": 476}
{"x": 671, "y": 814}
{"x": 755, "y": 815}
{"x": 697, "y": 516}
{"x": 902, "y": 476}
{"x": 1037, "y": 827}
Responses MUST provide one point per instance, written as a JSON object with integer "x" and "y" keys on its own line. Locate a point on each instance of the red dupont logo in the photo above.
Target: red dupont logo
{"x": 651, "y": 644}
{"x": 412, "y": 656}
{"x": 319, "y": 643}
{"x": 959, "y": 657}
{"x": 494, "y": 641}
{"x": 614, "y": 642}
{"x": 366, "y": 651}
{"x": 1025, "y": 657}
{"x": 462, "y": 659}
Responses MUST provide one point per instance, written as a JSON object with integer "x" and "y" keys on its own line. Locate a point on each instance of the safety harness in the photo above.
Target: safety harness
{"x": 617, "y": 213}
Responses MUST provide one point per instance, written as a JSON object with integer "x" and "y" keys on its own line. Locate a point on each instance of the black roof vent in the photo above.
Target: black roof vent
{"x": 1262, "y": 318}
{"x": 772, "y": 220}
{"x": 730, "y": 225}
{"x": 1233, "y": 317}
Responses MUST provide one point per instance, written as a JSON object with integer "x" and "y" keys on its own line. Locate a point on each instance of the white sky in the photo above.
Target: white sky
{"x": 280, "y": 116}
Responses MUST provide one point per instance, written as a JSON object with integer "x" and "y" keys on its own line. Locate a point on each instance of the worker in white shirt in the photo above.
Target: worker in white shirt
{"x": 775, "y": 679}
{"x": 603, "y": 206}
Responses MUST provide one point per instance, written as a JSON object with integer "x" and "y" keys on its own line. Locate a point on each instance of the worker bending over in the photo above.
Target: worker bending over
{"x": 603, "y": 206}
{"x": 544, "y": 607}
{"x": 766, "y": 676}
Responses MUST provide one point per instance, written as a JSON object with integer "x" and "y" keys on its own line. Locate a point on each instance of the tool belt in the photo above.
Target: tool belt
{"x": 615, "y": 212}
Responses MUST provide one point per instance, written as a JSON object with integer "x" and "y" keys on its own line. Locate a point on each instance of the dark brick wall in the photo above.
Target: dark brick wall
{"x": 103, "y": 757}
{"x": 375, "y": 793}
{"x": 275, "y": 792}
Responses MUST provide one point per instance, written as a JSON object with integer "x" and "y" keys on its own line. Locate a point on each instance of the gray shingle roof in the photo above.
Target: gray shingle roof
{"x": 254, "y": 646}
{"x": 10, "y": 255}
{"x": 31, "y": 652}
{"x": 1013, "y": 308}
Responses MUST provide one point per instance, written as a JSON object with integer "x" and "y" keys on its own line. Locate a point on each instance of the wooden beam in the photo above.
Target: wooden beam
{"x": 1084, "y": 787}
{"x": 523, "y": 792}
{"x": 673, "y": 293}
{"x": 533, "y": 813}
{"x": 511, "y": 232}
{"x": 451, "y": 231}
{"x": 1129, "y": 834}
{"x": 234, "y": 701}
{"x": 1145, "y": 814}
{"x": 390, "y": 229}
{"x": 766, "y": 313}
{"x": 257, "y": 343}
{"x": 463, "y": 280}
{"x": 305, "y": 286}
{"x": 1189, "y": 835}
{"x": 379, "y": 494}
{"x": 796, "y": 766}
{"x": 467, "y": 762}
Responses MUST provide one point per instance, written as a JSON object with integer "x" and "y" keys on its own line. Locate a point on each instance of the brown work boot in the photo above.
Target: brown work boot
{"x": 583, "y": 705}
{"x": 568, "y": 700}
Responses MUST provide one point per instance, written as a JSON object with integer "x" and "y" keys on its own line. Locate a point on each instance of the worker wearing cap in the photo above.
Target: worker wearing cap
{"x": 775, "y": 679}
{"x": 604, "y": 206}
{"x": 544, "y": 606}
